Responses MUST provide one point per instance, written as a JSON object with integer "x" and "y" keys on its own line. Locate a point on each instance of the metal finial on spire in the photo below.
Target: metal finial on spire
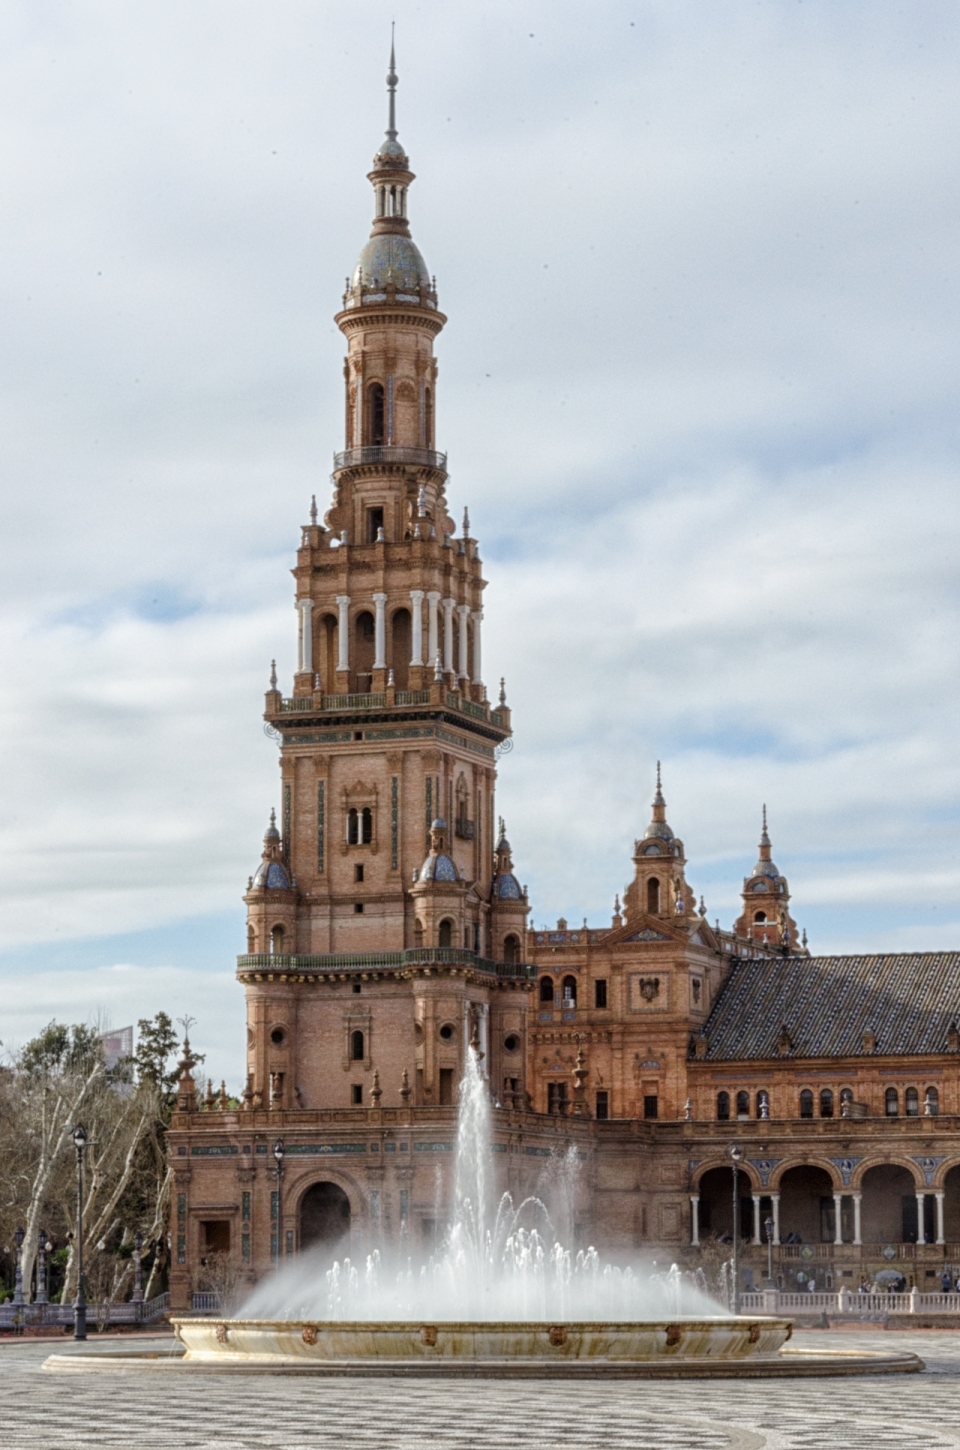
{"x": 503, "y": 692}
{"x": 313, "y": 508}
{"x": 273, "y": 674}
{"x": 765, "y": 839}
{"x": 466, "y": 523}
{"x": 392, "y": 89}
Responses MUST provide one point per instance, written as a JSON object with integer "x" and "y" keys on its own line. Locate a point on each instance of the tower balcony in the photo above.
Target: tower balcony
{"x": 321, "y": 964}
{"x": 389, "y": 453}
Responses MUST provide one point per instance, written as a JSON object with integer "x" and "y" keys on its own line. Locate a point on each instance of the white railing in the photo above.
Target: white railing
{"x": 846, "y": 1301}
{"x": 206, "y": 1303}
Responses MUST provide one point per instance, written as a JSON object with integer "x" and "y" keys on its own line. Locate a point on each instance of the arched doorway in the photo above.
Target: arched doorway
{"x": 889, "y": 1206}
{"x": 715, "y": 1209}
{"x": 324, "y": 1216}
{"x": 807, "y": 1208}
{"x": 951, "y": 1206}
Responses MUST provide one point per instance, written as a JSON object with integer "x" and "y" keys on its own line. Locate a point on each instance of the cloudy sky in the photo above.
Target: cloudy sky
{"x": 698, "y": 388}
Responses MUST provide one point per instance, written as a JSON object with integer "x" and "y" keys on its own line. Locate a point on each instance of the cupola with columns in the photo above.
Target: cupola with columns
{"x": 659, "y": 887}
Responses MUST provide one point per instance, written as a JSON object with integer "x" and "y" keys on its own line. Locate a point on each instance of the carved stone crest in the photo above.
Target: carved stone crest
{"x": 428, "y": 1334}
{"x": 558, "y": 1335}
{"x": 649, "y": 988}
{"x": 309, "y": 1334}
{"x": 222, "y": 1333}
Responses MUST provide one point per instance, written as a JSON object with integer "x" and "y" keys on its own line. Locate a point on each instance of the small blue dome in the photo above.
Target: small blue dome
{"x": 390, "y": 257}
{"x": 272, "y": 875}
{"x": 438, "y": 868}
{"x": 508, "y": 887}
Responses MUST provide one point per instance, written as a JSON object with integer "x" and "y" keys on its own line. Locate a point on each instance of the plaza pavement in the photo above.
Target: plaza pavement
{"x": 42, "y": 1411}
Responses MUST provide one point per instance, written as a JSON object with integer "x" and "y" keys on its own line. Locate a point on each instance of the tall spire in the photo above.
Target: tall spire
{"x": 392, "y": 90}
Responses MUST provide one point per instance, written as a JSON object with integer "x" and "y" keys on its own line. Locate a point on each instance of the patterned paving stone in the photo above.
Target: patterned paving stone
{"x": 39, "y": 1411}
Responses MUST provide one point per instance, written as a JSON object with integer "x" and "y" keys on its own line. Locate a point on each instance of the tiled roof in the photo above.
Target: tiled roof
{"x": 827, "y": 1004}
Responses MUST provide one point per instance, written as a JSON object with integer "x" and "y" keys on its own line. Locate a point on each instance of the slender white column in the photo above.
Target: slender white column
{"x": 463, "y": 612}
{"x": 940, "y": 1236}
{"x": 477, "y": 617}
{"x": 921, "y": 1236}
{"x": 416, "y": 633}
{"x": 448, "y": 636}
{"x": 775, "y": 1205}
{"x": 343, "y": 632}
{"x": 305, "y": 636}
{"x": 694, "y": 1218}
{"x": 756, "y": 1217}
{"x": 857, "y": 1236}
{"x": 433, "y": 627}
{"x": 837, "y": 1223}
{"x": 380, "y": 632}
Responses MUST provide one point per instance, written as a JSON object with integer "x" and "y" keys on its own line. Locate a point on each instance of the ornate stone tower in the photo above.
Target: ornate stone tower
{"x": 385, "y": 852}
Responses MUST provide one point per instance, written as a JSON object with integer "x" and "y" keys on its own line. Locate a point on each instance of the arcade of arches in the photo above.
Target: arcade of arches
{"x": 324, "y": 1216}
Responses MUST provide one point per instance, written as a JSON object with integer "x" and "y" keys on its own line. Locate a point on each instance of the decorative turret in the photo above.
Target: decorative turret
{"x": 659, "y": 887}
{"x": 508, "y": 904}
{"x": 766, "y": 898}
{"x": 271, "y": 898}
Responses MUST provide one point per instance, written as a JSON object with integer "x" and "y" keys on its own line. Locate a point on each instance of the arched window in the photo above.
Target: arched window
{"x": 353, "y": 827}
{"x": 759, "y": 916}
{"x": 511, "y": 950}
{"x": 723, "y": 1106}
{"x": 891, "y": 1103}
{"x": 401, "y": 645}
{"x": 763, "y": 1103}
{"x": 569, "y": 993}
{"x": 846, "y": 1096}
{"x": 911, "y": 1103}
{"x": 931, "y": 1103}
{"x": 276, "y": 939}
{"x": 446, "y": 932}
{"x": 806, "y": 1103}
{"x": 376, "y": 414}
{"x": 356, "y": 1046}
{"x": 327, "y": 653}
{"x": 367, "y": 825}
{"x": 826, "y": 1103}
{"x": 743, "y": 1104}
{"x": 546, "y": 990}
{"x": 428, "y": 418}
{"x": 418, "y": 933}
{"x": 364, "y": 630}
{"x": 653, "y": 896}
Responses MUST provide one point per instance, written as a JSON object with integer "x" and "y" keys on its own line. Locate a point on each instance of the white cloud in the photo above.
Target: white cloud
{"x": 698, "y": 388}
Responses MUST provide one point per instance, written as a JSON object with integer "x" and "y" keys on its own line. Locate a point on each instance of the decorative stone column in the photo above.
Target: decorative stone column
{"x": 921, "y": 1235}
{"x": 940, "y": 1236}
{"x": 838, "y": 1218}
{"x": 380, "y": 632}
{"x": 463, "y": 613}
{"x": 448, "y": 636}
{"x": 433, "y": 630}
{"x": 857, "y": 1236}
{"x": 775, "y": 1208}
{"x": 416, "y": 632}
{"x": 477, "y": 618}
{"x": 756, "y": 1218}
{"x": 694, "y": 1219}
{"x": 305, "y": 637}
{"x": 343, "y": 632}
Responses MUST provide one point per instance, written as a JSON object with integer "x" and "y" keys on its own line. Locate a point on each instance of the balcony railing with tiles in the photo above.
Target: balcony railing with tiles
{"x": 319, "y": 963}
{"x": 381, "y": 700}
{"x": 390, "y": 453}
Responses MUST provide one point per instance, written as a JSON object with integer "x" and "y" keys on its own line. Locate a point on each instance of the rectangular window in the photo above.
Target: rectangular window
{"x": 603, "y": 1106}
{"x": 246, "y": 1207}
{"x": 356, "y": 1093}
{"x": 245, "y": 1247}
{"x": 446, "y": 1086}
{"x": 358, "y": 873}
{"x": 358, "y": 908}
{"x": 600, "y": 993}
{"x": 557, "y": 1097}
{"x": 321, "y": 823}
{"x": 374, "y": 524}
{"x": 649, "y": 1106}
{"x": 394, "y": 823}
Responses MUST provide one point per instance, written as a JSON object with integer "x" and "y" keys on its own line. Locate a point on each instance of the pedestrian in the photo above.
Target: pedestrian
{"x": 811, "y": 1285}
{"x": 946, "y": 1283}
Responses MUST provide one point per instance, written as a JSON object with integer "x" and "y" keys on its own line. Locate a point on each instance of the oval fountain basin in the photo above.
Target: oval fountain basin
{"x": 298, "y": 1340}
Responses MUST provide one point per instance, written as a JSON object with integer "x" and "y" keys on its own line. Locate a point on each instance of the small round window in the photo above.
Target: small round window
{"x": 512, "y": 1043}
{"x": 277, "y": 1036}
{"x": 446, "y": 1032}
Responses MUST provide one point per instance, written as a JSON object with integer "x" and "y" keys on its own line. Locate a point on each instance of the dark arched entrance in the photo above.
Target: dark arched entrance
{"x": 324, "y": 1216}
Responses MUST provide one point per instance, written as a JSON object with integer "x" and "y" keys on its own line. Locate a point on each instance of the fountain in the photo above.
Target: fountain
{"x": 499, "y": 1297}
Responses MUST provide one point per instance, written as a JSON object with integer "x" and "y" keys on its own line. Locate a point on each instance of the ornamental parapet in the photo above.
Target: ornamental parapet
{"x": 389, "y": 453}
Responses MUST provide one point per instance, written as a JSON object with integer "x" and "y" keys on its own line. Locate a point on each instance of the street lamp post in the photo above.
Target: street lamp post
{"x": 43, "y": 1248}
{"x": 278, "y": 1151}
{"x": 768, "y": 1225}
{"x": 80, "y": 1303}
{"x": 736, "y": 1157}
